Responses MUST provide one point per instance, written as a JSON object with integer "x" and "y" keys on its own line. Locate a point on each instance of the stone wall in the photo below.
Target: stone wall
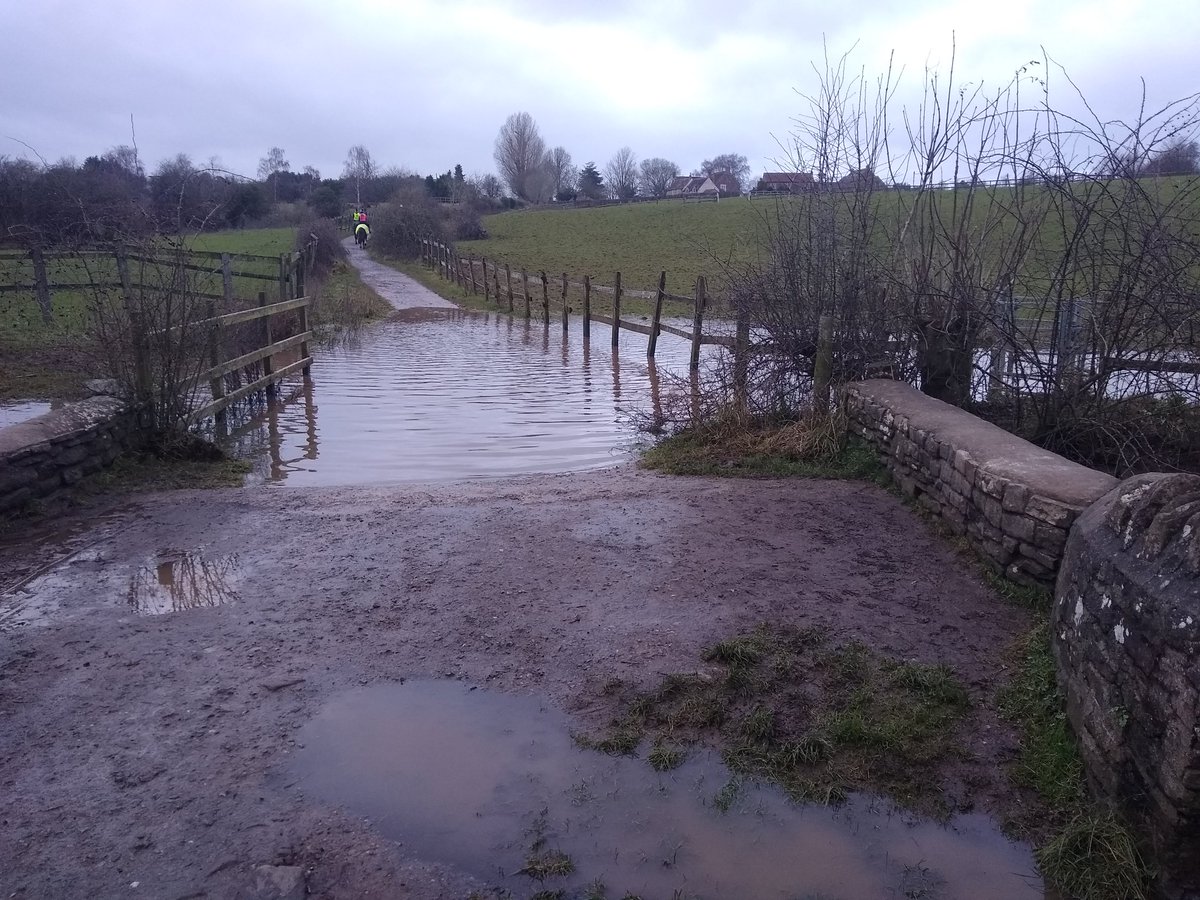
{"x": 42, "y": 455}
{"x": 1013, "y": 500}
{"x": 1127, "y": 641}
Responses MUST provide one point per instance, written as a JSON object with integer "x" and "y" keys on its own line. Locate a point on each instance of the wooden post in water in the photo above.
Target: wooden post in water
{"x": 508, "y": 278}
{"x": 587, "y": 307}
{"x": 652, "y": 345}
{"x": 525, "y": 288}
{"x": 496, "y": 283}
{"x": 217, "y": 384}
{"x": 741, "y": 361}
{"x": 698, "y": 322}
{"x": 545, "y": 301}
{"x": 41, "y": 285}
{"x": 823, "y": 364}
{"x": 564, "y": 302}
{"x": 486, "y": 292}
{"x": 616, "y": 325}
{"x": 304, "y": 344}
{"x": 268, "y": 363}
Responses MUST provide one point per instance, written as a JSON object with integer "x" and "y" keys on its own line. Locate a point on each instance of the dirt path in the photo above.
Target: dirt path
{"x": 394, "y": 287}
{"x": 152, "y": 749}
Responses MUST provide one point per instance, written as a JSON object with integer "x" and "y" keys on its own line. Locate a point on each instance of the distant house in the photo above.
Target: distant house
{"x": 785, "y": 183}
{"x": 861, "y": 180}
{"x": 726, "y": 184}
{"x": 692, "y": 186}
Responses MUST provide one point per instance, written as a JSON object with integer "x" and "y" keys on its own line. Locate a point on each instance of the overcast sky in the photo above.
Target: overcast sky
{"x": 425, "y": 84}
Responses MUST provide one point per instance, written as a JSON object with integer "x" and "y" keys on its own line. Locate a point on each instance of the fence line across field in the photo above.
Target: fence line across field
{"x": 483, "y": 276}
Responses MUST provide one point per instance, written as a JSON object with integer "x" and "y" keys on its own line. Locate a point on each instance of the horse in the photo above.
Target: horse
{"x": 361, "y": 233}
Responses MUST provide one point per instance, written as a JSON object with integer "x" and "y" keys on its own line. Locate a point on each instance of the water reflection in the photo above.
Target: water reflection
{"x": 178, "y": 580}
{"x": 16, "y": 411}
{"x": 451, "y": 394}
{"x": 474, "y": 779}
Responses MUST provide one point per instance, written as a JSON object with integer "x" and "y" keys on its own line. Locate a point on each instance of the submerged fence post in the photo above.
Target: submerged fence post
{"x": 216, "y": 384}
{"x": 483, "y": 264}
{"x": 587, "y": 307}
{"x": 508, "y": 278}
{"x": 525, "y": 290}
{"x": 823, "y": 364}
{"x": 268, "y": 363}
{"x": 698, "y": 322}
{"x": 545, "y": 301}
{"x": 658, "y": 305}
{"x": 564, "y": 302}
{"x": 616, "y": 326}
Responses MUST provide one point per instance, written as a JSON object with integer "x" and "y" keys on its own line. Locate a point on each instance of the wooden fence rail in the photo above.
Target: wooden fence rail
{"x": 471, "y": 275}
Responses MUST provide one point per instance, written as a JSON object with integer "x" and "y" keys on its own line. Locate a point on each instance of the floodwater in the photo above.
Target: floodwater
{"x": 433, "y": 395}
{"x": 481, "y": 780}
{"x": 12, "y": 413}
{"x": 170, "y": 581}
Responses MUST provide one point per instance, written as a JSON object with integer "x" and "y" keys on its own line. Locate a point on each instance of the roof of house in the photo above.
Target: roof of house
{"x": 687, "y": 184}
{"x": 679, "y": 183}
{"x": 725, "y": 182}
{"x": 786, "y": 178}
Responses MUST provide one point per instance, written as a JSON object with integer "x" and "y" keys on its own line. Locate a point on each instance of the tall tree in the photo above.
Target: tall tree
{"x": 733, "y": 163}
{"x": 519, "y": 152}
{"x": 359, "y": 167}
{"x": 564, "y": 174}
{"x": 270, "y": 165}
{"x": 591, "y": 182}
{"x": 622, "y": 172}
{"x": 656, "y": 176}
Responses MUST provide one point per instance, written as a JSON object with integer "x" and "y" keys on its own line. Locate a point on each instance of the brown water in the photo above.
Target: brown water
{"x": 453, "y": 394}
{"x": 476, "y": 779}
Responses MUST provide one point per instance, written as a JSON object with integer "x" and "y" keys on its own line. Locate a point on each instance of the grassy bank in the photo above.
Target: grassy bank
{"x": 1081, "y": 848}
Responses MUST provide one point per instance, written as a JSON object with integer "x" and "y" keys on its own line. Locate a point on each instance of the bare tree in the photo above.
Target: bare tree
{"x": 733, "y": 163}
{"x": 488, "y": 185}
{"x": 656, "y": 176}
{"x": 622, "y": 174}
{"x": 519, "y": 152}
{"x": 360, "y": 167}
{"x": 563, "y": 172}
{"x": 312, "y": 172}
{"x": 273, "y": 163}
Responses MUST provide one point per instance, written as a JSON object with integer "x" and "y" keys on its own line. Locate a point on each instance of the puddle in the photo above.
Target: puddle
{"x": 180, "y": 579}
{"x": 447, "y": 395}
{"x": 170, "y": 581}
{"x": 21, "y": 410}
{"x": 472, "y": 778}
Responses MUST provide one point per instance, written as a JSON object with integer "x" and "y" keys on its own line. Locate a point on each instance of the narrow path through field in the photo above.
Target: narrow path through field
{"x": 394, "y": 287}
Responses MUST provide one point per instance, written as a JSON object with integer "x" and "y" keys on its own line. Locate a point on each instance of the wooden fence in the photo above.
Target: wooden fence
{"x": 288, "y": 273}
{"x": 483, "y": 276}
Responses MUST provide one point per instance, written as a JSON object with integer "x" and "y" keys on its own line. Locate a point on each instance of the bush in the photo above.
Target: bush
{"x": 328, "y": 250}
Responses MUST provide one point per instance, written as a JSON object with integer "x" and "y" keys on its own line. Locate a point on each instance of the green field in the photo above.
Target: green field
{"x": 690, "y": 239}
{"x": 21, "y": 321}
{"x": 639, "y": 240}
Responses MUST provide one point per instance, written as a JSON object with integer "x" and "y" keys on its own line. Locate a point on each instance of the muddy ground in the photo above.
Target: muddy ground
{"x": 141, "y": 749}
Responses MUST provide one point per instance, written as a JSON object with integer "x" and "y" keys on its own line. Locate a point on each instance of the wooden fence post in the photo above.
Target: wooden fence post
{"x": 137, "y": 330}
{"x": 508, "y": 278}
{"x": 217, "y": 384}
{"x": 698, "y": 322}
{"x": 304, "y": 344}
{"x": 283, "y": 277}
{"x": 545, "y": 301}
{"x": 564, "y": 302}
{"x": 587, "y": 307}
{"x": 823, "y": 364}
{"x": 226, "y": 282}
{"x": 268, "y": 363}
{"x": 299, "y": 284}
{"x": 658, "y": 304}
{"x": 41, "y": 285}
{"x": 616, "y": 325}
{"x": 483, "y": 264}
{"x": 525, "y": 288}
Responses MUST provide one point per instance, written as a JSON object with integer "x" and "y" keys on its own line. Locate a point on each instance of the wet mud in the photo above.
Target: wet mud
{"x": 170, "y": 749}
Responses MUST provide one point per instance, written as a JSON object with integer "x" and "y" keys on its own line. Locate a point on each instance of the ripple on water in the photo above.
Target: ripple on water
{"x": 474, "y": 778}
{"x": 435, "y": 395}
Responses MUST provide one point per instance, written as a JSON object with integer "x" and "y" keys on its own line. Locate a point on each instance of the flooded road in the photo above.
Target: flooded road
{"x": 436, "y": 395}
{"x": 494, "y": 784}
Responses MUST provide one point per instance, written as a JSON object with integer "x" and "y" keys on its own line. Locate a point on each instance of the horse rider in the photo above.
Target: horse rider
{"x": 362, "y": 228}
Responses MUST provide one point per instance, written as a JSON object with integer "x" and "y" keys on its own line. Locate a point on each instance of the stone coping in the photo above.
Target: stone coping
{"x": 992, "y": 449}
{"x": 73, "y": 419}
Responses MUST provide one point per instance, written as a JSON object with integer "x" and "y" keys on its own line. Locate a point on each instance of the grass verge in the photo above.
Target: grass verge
{"x": 820, "y": 721}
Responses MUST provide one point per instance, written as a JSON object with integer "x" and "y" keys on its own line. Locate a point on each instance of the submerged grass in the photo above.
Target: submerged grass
{"x": 821, "y": 721}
